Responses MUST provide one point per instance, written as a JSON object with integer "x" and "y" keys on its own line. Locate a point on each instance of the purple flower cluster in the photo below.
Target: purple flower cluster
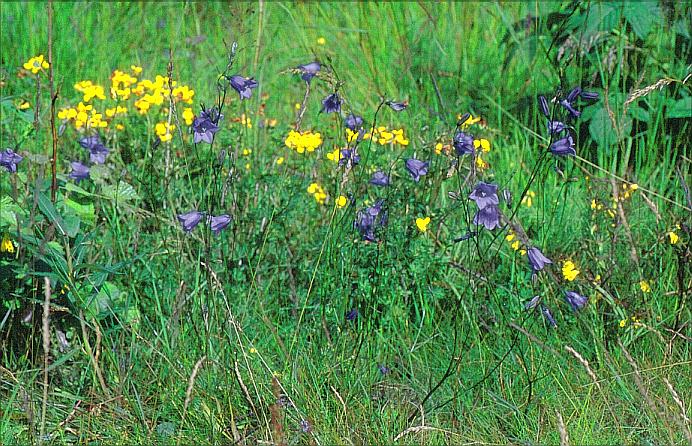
{"x": 97, "y": 151}
{"x": 417, "y": 168}
{"x": 206, "y": 125}
{"x": 331, "y": 104}
{"x": 191, "y": 219}
{"x": 9, "y": 160}
{"x": 485, "y": 197}
{"x": 369, "y": 219}
{"x": 563, "y": 145}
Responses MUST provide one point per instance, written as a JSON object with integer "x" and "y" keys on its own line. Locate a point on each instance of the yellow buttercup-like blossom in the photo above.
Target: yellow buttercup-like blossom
{"x": 341, "y": 201}
{"x": 645, "y": 287}
{"x": 164, "y": 131}
{"x": 484, "y": 144}
{"x": 303, "y": 142}
{"x": 317, "y": 192}
{"x": 422, "y": 223}
{"x": 569, "y": 271}
{"x": 528, "y": 198}
{"x": 36, "y": 64}
{"x": 673, "y": 237}
{"x": 334, "y": 155}
{"x": 6, "y": 244}
{"x": 188, "y": 116}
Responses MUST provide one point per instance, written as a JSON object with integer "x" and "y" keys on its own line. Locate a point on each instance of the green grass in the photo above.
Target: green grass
{"x": 236, "y": 338}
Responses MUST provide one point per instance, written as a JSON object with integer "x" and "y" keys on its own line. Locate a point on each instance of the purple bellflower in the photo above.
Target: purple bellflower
{"x": 543, "y": 105}
{"x": 309, "y": 70}
{"x": 243, "y": 85}
{"x": 352, "y": 314}
{"x": 9, "y": 160}
{"x": 489, "y": 217}
{"x": 397, "y": 106}
{"x": 417, "y": 168}
{"x": 369, "y": 219}
{"x": 219, "y": 223}
{"x": 348, "y": 156}
{"x": 575, "y": 300}
{"x": 563, "y": 147}
{"x": 203, "y": 129}
{"x": 331, "y": 104}
{"x": 463, "y": 143}
{"x": 79, "y": 171}
{"x": 555, "y": 127}
{"x": 379, "y": 178}
{"x": 97, "y": 151}
{"x": 190, "y": 220}
{"x": 485, "y": 194}
{"x": 353, "y": 122}
{"x": 536, "y": 259}
{"x": 548, "y": 316}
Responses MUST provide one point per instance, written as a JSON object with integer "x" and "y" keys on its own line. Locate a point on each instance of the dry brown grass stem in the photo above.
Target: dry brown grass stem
{"x": 46, "y": 352}
{"x": 564, "y": 437}
{"x": 191, "y": 385}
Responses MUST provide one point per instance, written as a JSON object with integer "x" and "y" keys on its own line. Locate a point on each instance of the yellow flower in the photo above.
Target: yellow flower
{"x": 163, "y": 131}
{"x": 247, "y": 152}
{"x": 279, "y": 160}
{"x": 335, "y": 155}
{"x": 184, "y": 93}
{"x": 303, "y": 141}
{"x": 253, "y": 350}
{"x": 516, "y": 245}
{"x": 469, "y": 121}
{"x": 321, "y": 41}
{"x": 438, "y": 148}
{"x": 341, "y": 201}
{"x": 569, "y": 271}
{"x": 6, "y": 244}
{"x": 528, "y": 198}
{"x": 24, "y": 105}
{"x": 188, "y": 116}
{"x": 484, "y": 144}
{"x": 622, "y": 323}
{"x": 597, "y": 278}
{"x": 119, "y": 127}
{"x": 67, "y": 113}
{"x": 312, "y": 188}
{"x": 644, "y": 285}
{"x": 36, "y": 64}
{"x": 422, "y": 223}
{"x": 135, "y": 69}
{"x": 673, "y": 237}
{"x": 480, "y": 163}
{"x": 297, "y": 105}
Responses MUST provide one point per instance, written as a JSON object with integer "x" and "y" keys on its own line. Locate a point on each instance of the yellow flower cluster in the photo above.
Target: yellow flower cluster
{"x": 380, "y": 135}
{"x": 334, "y": 155}
{"x": 569, "y": 270}
{"x": 164, "y": 131}
{"x": 155, "y": 92}
{"x": 623, "y": 322}
{"x": 341, "y": 201}
{"x": 36, "y": 64}
{"x": 83, "y": 116}
{"x": 645, "y": 286}
{"x": 303, "y": 142}
{"x": 118, "y": 110}
{"x": 528, "y": 198}
{"x": 316, "y": 191}
{"x": 89, "y": 90}
{"x": 188, "y": 116}
{"x": 514, "y": 242}
{"x": 121, "y": 83}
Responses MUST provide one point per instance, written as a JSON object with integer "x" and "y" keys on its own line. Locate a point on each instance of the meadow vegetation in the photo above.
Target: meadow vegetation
{"x": 345, "y": 223}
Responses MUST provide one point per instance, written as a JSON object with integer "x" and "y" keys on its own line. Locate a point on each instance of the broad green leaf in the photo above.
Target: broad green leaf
{"x": 47, "y": 208}
{"x": 642, "y": 16}
{"x": 85, "y": 212}
{"x": 681, "y": 108}
{"x": 601, "y": 128}
{"x": 122, "y": 192}
{"x": 8, "y": 211}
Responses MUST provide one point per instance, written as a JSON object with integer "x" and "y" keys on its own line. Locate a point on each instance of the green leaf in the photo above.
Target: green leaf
{"x": 47, "y": 208}
{"x": 602, "y": 131}
{"x": 642, "y": 16}
{"x": 74, "y": 188}
{"x": 8, "y": 212}
{"x": 681, "y": 108}
{"x": 104, "y": 302}
{"x": 121, "y": 192}
{"x": 85, "y": 212}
